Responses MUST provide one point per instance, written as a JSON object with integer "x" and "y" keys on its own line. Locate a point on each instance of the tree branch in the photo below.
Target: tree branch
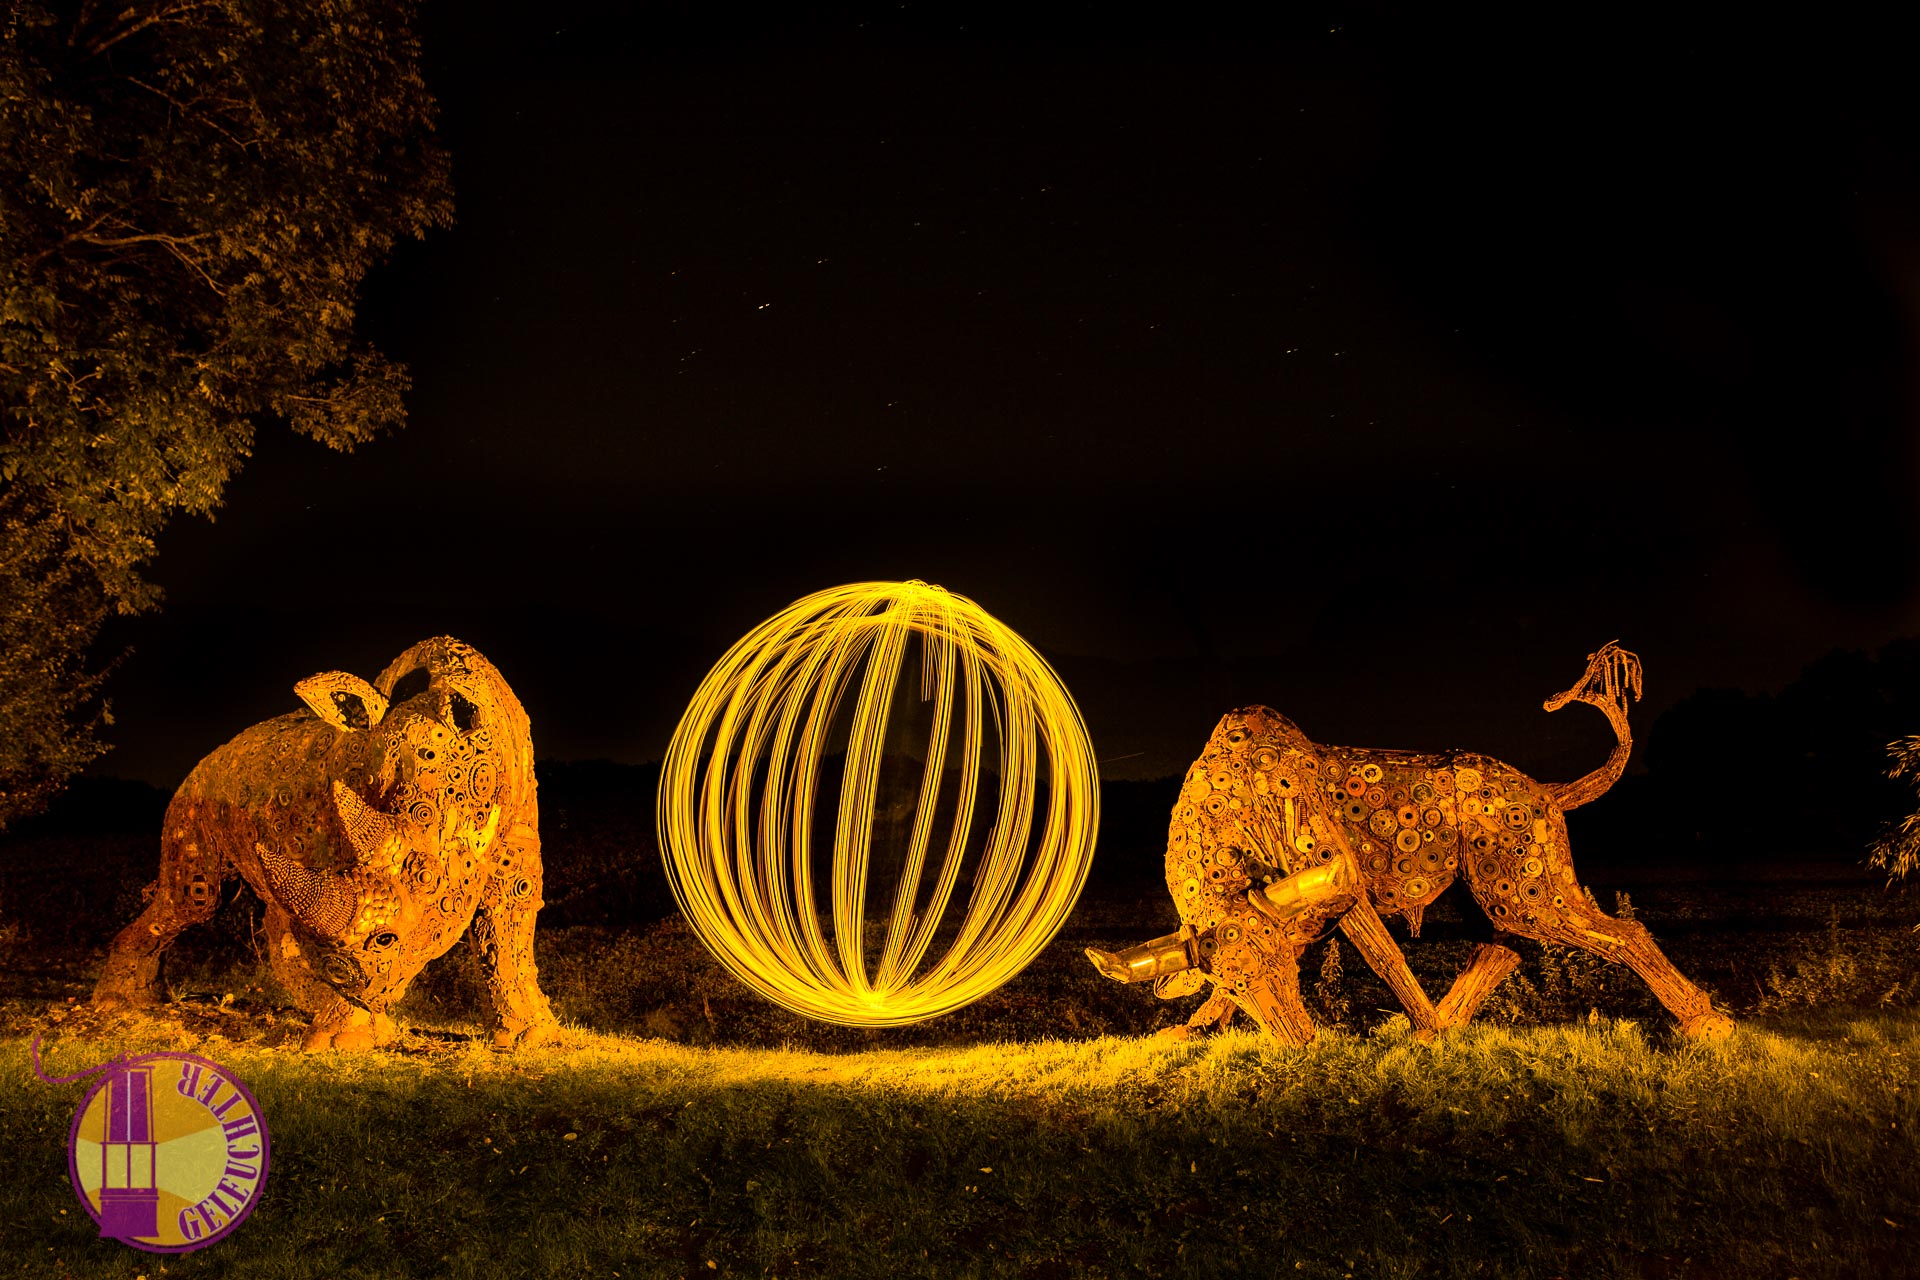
{"x": 188, "y": 112}
{"x": 175, "y": 245}
{"x": 81, "y": 21}
{"x": 106, "y": 41}
{"x": 150, "y": 237}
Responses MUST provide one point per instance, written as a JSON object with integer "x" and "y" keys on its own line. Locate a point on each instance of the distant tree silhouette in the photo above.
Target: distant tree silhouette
{"x": 1739, "y": 777}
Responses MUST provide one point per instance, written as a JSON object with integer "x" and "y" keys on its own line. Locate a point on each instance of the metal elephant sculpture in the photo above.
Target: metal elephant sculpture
{"x": 1275, "y": 839}
{"x": 378, "y": 826}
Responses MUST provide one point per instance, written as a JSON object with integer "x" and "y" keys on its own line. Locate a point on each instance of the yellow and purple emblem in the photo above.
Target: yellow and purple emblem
{"x": 168, "y": 1152}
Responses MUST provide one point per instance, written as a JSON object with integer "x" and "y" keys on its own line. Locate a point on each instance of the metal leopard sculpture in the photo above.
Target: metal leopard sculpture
{"x": 1275, "y": 839}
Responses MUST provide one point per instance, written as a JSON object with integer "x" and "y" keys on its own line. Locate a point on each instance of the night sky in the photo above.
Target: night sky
{"x": 1376, "y": 371}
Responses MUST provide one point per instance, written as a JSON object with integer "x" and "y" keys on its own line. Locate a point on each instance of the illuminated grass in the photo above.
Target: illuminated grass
{"x": 851, "y": 1152}
{"x": 1576, "y": 1150}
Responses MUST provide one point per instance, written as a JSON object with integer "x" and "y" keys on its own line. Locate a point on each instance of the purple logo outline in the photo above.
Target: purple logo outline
{"x": 129, "y": 1082}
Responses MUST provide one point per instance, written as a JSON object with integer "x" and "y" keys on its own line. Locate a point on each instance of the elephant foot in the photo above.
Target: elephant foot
{"x": 1711, "y": 1025}
{"x": 508, "y": 1038}
{"x": 350, "y": 1029}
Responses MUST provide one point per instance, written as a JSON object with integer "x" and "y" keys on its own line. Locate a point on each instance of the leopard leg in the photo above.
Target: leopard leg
{"x": 1491, "y": 965}
{"x": 1362, "y": 924}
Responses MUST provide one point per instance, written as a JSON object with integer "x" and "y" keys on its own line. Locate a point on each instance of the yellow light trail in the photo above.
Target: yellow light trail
{"x": 737, "y": 791}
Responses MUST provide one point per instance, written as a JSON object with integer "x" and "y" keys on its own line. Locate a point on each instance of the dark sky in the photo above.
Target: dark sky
{"x": 1378, "y": 371}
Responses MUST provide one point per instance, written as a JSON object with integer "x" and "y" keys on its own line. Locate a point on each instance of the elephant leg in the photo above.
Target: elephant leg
{"x": 186, "y": 893}
{"x": 503, "y": 934}
{"x": 1369, "y": 935}
{"x": 1491, "y": 965}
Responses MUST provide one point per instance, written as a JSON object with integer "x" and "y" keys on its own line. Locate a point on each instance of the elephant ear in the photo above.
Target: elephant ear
{"x": 343, "y": 700}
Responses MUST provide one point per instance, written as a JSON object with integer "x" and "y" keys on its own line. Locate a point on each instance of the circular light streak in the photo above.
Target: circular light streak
{"x": 738, "y": 786}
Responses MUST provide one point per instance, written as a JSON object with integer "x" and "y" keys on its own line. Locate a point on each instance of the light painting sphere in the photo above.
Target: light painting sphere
{"x": 953, "y": 888}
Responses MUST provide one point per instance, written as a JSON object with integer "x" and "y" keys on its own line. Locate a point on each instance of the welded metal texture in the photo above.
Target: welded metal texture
{"x": 1275, "y": 839}
{"x": 378, "y": 825}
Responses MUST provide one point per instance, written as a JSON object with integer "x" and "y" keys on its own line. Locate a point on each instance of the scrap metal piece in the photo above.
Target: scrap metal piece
{"x": 1318, "y": 887}
{"x": 1159, "y": 958}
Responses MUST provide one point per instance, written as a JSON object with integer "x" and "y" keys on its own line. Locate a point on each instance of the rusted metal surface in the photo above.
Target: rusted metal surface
{"x": 378, "y": 825}
{"x": 1275, "y": 839}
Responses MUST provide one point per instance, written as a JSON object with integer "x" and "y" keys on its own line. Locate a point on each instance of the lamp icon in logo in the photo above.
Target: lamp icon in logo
{"x": 129, "y": 1199}
{"x": 168, "y": 1152}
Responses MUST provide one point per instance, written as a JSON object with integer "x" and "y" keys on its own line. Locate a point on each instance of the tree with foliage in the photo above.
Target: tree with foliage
{"x": 191, "y": 192}
{"x": 1897, "y": 849}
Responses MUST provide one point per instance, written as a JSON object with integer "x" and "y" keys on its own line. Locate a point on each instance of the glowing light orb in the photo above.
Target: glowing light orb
{"x": 752, "y": 754}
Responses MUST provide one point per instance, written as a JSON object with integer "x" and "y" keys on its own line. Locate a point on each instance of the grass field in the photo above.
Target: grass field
{"x": 1583, "y": 1150}
{"x": 1041, "y": 1132}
